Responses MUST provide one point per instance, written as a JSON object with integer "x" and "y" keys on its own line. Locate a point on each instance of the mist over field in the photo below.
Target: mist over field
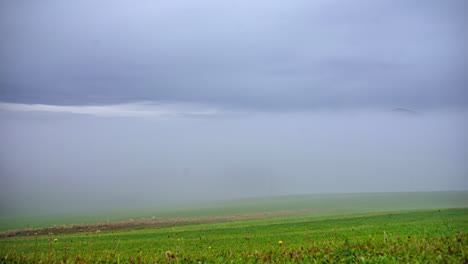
{"x": 115, "y": 104}
{"x": 64, "y": 162}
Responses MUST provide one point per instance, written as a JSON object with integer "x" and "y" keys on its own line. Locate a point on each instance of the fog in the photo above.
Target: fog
{"x": 120, "y": 104}
{"x": 60, "y": 162}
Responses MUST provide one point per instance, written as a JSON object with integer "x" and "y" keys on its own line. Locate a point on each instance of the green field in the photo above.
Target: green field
{"x": 361, "y": 228}
{"x": 304, "y": 205}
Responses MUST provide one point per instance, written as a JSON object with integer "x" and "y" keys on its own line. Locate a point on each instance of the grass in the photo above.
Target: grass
{"x": 415, "y": 236}
{"x": 403, "y": 235}
{"x": 280, "y": 206}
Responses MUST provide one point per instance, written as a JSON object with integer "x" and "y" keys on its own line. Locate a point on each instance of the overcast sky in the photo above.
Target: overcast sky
{"x": 150, "y": 101}
{"x": 257, "y": 54}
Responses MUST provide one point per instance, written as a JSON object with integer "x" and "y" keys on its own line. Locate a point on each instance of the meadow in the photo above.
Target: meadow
{"x": 301, "y": 235}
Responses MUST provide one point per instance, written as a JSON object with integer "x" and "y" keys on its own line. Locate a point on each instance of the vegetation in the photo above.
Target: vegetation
{"x": 317, "y": 205}
{"x": 431, "y": 236}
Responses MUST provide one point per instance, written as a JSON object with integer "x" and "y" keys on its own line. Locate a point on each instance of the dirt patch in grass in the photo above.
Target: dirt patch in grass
{"x": 153, "y": 222}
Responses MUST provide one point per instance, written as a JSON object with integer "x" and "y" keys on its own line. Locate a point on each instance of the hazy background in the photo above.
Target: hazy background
{"x": 118, "y": 104}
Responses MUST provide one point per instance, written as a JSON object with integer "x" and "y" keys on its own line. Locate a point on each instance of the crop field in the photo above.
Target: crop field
{"x": 398, "y": 236}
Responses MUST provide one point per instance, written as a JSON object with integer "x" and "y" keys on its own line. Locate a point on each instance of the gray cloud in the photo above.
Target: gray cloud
{"x": 264, "y": 54}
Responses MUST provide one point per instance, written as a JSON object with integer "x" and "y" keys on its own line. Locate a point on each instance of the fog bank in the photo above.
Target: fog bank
{"x": 57, "y": 162}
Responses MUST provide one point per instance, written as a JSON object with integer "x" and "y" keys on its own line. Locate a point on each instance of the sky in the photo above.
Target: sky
{"x": 107, "y": 104}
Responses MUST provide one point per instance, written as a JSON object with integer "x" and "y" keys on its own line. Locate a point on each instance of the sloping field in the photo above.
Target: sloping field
{"x": 254, "y": 208}
{"x": 430, "y": 236}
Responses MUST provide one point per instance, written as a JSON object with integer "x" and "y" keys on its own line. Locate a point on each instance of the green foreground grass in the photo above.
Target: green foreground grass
{"x": 431, "y": 236}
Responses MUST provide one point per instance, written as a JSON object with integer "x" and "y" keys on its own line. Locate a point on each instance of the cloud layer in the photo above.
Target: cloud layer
{"x": 138, "y": 109}
{"x": 268, "y": 55}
